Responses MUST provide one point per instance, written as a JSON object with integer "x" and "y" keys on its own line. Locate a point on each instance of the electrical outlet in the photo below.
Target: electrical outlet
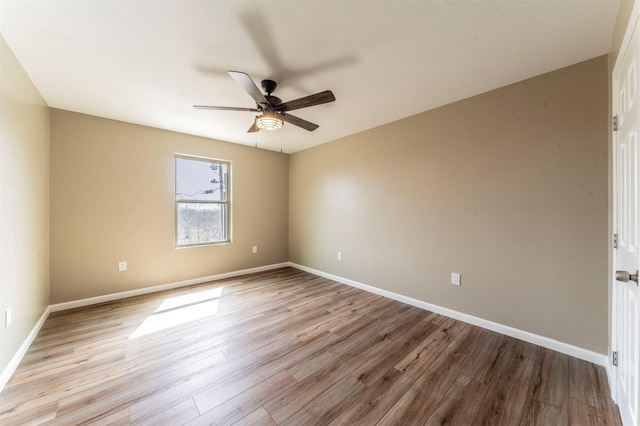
{"x": 254, "y": 249}
{"x": 455, "y": 278}
{"x": 8, "y": 317}
{"x": 122, "y": 266}
{"x": 339, "y": 255}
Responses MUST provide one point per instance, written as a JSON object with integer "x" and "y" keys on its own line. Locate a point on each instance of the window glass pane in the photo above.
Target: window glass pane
{"x": 200, "y": 180}
{"x": 201, "y": 223}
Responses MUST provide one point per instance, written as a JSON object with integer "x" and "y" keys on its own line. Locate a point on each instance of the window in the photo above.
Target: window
{"x": 202, "y": 201}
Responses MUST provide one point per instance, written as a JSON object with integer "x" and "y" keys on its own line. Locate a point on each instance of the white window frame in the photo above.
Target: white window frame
{"x": 226, "y": 219}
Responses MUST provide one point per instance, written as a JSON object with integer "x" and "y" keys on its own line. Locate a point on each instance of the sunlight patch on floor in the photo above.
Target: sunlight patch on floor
{"x": 180, "y": 310}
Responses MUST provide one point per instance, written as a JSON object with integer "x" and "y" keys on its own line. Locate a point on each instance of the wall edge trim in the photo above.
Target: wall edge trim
{"x": 161, "y": 287}
{"x": 6, "y": 374}
{"x": 562, "y": 347}
{"x": 546, "y": 342}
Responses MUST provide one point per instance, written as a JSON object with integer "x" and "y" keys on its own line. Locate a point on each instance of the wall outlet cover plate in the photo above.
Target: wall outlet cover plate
{"x": 455, "y": 278}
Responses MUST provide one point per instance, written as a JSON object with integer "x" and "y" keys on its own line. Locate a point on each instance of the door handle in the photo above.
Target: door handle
{"x": 624, "y": 276}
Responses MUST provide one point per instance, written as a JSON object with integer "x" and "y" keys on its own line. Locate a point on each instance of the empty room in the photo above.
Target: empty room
{"x": 310, "y": 212}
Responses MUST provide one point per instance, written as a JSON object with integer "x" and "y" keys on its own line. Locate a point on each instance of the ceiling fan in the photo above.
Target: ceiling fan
{"x": 274, "y": 111}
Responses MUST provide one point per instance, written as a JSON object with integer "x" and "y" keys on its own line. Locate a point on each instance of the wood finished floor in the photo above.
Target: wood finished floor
{"x": 288, "y": 348}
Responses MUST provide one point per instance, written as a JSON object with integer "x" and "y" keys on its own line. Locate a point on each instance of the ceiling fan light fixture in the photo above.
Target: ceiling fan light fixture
{"x": 272, "y": 108}
{"x": 269, "y": 120}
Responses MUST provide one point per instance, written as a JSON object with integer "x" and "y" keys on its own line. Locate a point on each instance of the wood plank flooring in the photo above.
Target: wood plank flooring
{"x": 285, "y": 347}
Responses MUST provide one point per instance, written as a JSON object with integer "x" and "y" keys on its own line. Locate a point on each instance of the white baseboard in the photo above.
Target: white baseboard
{"x": 13, "y": 364}
{"x": 545, "y": 342}
{"x": 154, "y": 289}
{"x": 526, "y": 336}
{"x": 612, "y": 383}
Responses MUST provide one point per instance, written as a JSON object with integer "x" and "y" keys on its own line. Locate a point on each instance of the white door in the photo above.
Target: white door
{"x": 626, "y": 107}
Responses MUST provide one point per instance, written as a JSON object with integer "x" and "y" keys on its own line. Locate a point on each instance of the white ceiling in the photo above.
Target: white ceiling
{"x": 148, "y": 62}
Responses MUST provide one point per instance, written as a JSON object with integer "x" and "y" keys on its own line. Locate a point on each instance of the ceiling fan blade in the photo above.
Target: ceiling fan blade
{"x": 307, "y": 101}
{"x": 254, "y": 128}
{"x": 297, "y": 121}
{"x": 250, "y": 87}
{"x": 221, "y": 108}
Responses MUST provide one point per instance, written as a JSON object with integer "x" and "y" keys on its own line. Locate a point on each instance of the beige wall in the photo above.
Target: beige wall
{"x": 24, "y": 204}
{"x": 508, "y": 188}
{"x": 112, "y": 189}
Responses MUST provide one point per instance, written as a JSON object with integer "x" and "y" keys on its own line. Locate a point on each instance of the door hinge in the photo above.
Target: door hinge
{"x": 615, "y": 123}
{"x": 615, "y": 241}
{"x": 614, "y": 358}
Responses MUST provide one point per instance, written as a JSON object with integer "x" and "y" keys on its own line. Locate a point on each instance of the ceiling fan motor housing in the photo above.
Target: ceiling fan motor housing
{"x": 273, "y": 100}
